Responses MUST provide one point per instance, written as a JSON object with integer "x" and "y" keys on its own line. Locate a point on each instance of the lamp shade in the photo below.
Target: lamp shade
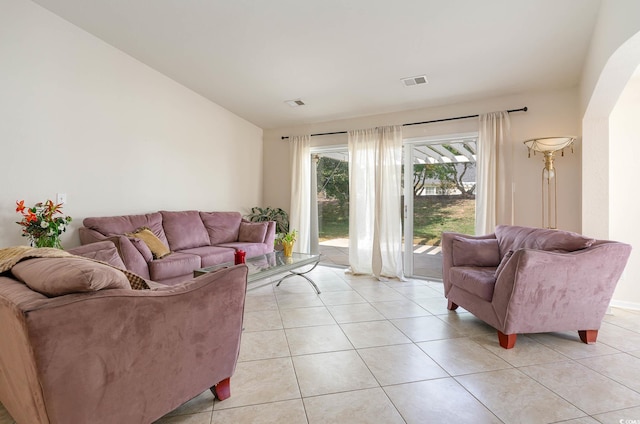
{"x": 549, "y": 144}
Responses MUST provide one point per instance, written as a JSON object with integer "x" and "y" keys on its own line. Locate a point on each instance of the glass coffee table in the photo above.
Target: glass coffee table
{"x": 270, "y": 264}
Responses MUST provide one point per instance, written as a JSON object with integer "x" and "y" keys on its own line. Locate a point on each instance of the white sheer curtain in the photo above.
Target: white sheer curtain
{"x": 494, "y": 201}
{"x": 375, "y": 226}
{"x": 300, "y": 212}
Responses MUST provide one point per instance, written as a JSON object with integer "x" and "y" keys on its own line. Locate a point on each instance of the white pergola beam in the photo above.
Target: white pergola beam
{"x": 462, "y": 150}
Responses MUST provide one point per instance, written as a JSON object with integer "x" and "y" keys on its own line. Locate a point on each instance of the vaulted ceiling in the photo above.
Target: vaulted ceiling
{"x": 345, "y": 58}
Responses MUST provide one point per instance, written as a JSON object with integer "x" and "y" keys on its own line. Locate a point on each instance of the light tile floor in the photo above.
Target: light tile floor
{"x": 427, "y": 260}
{"x": 365, "y": 351}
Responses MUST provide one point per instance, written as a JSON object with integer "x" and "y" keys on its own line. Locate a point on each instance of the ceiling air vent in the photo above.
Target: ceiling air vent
{"x": 411, "y": 81}
{"x": 295, "y": 103}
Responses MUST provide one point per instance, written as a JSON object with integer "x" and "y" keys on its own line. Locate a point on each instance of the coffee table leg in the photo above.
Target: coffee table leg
{"x": 301, "y": 274}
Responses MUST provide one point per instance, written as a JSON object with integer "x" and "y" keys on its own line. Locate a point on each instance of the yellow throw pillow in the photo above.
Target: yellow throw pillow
{"x": 157, "y": 247}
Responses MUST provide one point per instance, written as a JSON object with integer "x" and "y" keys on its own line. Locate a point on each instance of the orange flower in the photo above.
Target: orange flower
{"x": 31, "y": 217}
{"x": 20, "y": 207}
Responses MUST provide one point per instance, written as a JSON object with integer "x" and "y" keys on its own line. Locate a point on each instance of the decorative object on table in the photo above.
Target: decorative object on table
{"x": 280, "y": 216}
{"x": 43, "y": 223}
{"x": 240, "y": 257}
{"x": 549, "y": 146}
{"x": 287, "y": 240}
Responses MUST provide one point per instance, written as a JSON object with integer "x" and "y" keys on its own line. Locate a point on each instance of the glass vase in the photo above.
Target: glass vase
{"x": 47, "y": 241}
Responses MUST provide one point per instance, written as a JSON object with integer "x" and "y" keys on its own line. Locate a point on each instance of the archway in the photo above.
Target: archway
{"x": 605, "y": 212}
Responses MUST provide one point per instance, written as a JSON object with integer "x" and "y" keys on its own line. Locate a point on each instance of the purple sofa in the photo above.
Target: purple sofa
{"x": 531, "y": 280}
{"x": 195, "y": 239}
{"x": 104, "y": 353}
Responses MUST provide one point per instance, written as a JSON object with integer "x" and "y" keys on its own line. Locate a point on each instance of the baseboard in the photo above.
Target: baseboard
{"x": 625, "y": 305}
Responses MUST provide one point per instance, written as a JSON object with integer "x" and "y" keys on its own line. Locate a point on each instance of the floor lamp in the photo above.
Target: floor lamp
{"x": 548, "y": 147}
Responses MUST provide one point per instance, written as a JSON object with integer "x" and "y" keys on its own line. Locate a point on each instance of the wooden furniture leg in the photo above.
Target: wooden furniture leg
{"x": 222, "y": 390}
{"x": 451, "y": 306}
{"x": 507, "y": 341}
{"x": 588, "y": 336}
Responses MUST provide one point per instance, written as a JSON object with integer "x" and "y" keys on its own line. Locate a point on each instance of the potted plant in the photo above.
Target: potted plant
{"x": 287, "y": 240}
{"x": 41, "y": 223}
{"x": 280, "y": 216}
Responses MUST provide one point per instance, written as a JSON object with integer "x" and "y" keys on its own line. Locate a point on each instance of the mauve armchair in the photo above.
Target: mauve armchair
{"x": 532, "y": 280}
{"x": 118, "y": 355}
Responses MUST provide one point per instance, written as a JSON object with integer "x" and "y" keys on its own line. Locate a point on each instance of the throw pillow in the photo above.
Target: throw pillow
{"x": 59, "y": 276}
{"x": 157, "y": 247}
{"x": 142, "y": 247}
{"x": 252, "y": 232}
{"x": 475, "y": 252}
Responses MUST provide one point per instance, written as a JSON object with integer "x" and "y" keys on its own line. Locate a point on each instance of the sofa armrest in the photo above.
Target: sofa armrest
{"x": 270, "y": 236}
{"x": 105, "y": 251}
{"x": 115, "y": 350}
{"x": 572, "y": 288}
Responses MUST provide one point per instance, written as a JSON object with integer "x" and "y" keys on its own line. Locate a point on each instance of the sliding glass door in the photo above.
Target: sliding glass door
{"x": 439, "y": 195}
{"x": 332, "y": 204}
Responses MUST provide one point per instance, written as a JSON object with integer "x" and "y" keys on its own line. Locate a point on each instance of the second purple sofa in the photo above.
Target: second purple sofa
{"x": 195, "y": 240}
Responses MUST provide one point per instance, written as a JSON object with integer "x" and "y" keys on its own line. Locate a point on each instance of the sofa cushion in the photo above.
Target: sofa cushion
{"x": 105, "y": 251}
{"x": 222, "y": 227}
{"x": 212, "y": 255}
{"x": 477, "y": 281}
{"x": 184, "y": 229}
{"x": 118, "y": 225}
{"x": 252, "y": 232}
{"x": 156, "y": 246}
{"x": 174, "y": 265}
{"x": 475, "y": 252}
{"x": 59, "y": 276}
{"x": 511, "y": 237}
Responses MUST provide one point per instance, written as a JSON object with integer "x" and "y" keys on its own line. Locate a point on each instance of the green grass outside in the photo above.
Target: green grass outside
{"x": 333, "y": 221}
{"x": 432, "y": 216}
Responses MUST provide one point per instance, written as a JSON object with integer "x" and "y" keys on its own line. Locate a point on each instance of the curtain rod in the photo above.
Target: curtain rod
{"x": 522, "y": 109}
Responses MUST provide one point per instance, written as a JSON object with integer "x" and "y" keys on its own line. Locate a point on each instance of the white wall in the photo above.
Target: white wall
{"x": 81, "y": 117}
{"x": 614, "y": 54}
{"x": 618, "y": 21}
{"x": 623, "y": 202}
{"x": 550, "y": 114}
